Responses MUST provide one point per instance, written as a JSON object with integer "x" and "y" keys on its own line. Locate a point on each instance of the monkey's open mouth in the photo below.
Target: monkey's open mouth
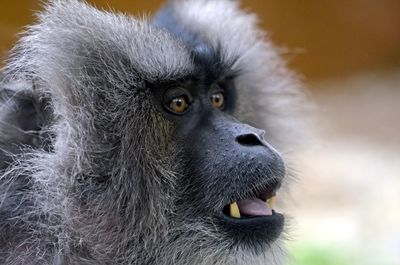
{"x": 252, "y": 220}
{"x": 259, "y": 202}
{"x": 260, "y": 206}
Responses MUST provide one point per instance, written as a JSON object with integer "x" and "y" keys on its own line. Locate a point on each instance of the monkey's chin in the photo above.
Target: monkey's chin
{"x": 255, "y": 233}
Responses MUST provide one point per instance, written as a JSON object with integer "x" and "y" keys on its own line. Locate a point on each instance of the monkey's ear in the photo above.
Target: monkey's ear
{"x": 23, "y": 115}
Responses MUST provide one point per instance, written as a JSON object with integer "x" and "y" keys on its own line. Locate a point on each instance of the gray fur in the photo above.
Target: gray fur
{"x": 104, "y": 194}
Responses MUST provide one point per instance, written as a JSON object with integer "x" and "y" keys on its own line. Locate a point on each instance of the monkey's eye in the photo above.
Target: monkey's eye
{"x": 217, "y": 100}
{"x": 177, "y": 100}
{"x": 179, "y": 104}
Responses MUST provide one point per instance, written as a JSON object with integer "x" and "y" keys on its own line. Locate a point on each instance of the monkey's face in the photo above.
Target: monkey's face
{"x": 232, "y": 173}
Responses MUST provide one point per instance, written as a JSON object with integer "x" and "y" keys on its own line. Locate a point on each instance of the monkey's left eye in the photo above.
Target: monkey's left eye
{"x": 217, "y": 100}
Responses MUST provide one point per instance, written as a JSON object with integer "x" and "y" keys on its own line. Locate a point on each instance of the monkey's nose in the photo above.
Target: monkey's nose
{"x": 250, "y": 139}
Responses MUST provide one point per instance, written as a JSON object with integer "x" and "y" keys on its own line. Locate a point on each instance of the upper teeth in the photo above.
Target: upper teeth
{"x": 271, "y": 202}
{"x": 234, "y": 210}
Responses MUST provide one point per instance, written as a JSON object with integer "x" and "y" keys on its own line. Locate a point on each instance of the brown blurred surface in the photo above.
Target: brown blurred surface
{"x": 323, "y": 38}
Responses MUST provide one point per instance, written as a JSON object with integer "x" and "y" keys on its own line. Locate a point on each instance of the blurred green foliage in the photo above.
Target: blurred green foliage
{"x": 312, "y": 254}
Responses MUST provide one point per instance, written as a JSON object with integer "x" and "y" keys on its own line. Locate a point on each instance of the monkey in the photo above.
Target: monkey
{"x": 152, "y": 140}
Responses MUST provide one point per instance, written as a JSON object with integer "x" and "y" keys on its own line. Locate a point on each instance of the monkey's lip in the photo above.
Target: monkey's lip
{"x": 253, "y": 232}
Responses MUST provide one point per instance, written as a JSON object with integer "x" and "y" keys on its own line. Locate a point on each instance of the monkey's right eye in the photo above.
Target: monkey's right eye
{"x": 178, "y": 105}
{"x": 177, "y": 100}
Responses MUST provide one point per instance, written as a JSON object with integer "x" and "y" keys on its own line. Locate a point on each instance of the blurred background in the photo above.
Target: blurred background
{"x": 346, "y": 203}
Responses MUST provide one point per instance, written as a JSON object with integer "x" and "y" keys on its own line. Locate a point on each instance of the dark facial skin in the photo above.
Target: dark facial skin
{"x": 226, "y": 160}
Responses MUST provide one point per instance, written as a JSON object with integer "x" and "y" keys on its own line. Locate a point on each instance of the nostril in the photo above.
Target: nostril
{"x": 249, "y": 139}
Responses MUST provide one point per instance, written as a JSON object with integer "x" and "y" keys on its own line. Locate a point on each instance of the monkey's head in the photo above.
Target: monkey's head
{"x": 231, "y": 172}
{"x": 164, "y": 130}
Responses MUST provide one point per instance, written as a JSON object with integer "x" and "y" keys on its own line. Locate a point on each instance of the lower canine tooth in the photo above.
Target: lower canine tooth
{"x": 271, "y": 202}
{"x": 234, "y": 210}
